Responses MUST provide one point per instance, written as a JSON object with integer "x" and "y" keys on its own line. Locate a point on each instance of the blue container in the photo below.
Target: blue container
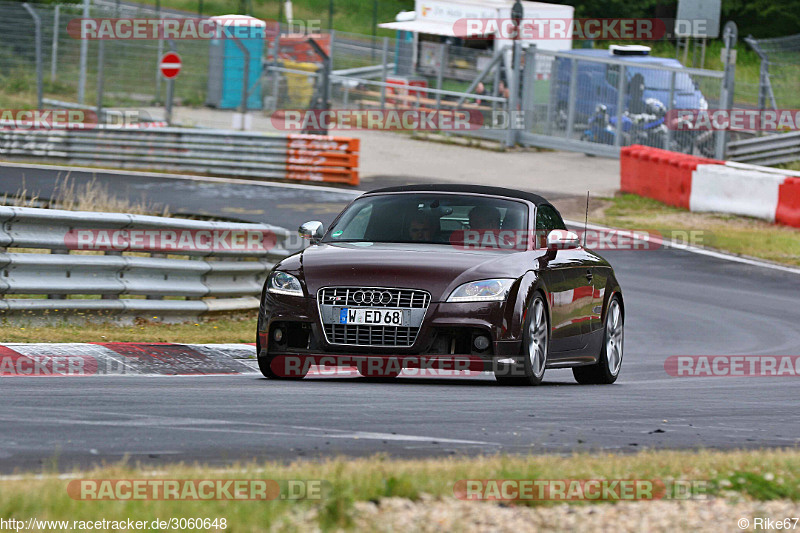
{"x": 226, "y": 65}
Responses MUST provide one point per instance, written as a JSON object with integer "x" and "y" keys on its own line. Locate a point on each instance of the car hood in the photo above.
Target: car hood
{"x": 436, "y": 268}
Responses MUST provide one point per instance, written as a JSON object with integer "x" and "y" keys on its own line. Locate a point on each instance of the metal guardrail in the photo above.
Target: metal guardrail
{"x": 217, "y": 152}
{"x": 768, "y": 150}
{"x": 177, "y": 284}
{"x": 360, "y": 72}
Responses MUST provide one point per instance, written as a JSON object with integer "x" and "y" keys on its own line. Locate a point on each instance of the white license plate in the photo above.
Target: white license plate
{"x": 375, "y": 317}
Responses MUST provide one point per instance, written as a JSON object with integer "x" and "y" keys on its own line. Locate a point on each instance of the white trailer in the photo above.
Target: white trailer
{"x": 436, "y": 21}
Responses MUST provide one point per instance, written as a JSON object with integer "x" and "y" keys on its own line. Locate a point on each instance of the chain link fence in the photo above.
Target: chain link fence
{"x": 126, "y": 76}
{"x": 605, "y": 102}
{"x": 584, "y": 100}
{"x": 352, "y": 50}
{"x": 780, "y": 71}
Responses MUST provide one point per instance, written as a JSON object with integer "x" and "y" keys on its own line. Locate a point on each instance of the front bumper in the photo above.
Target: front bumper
{"x": 448, "y": 329}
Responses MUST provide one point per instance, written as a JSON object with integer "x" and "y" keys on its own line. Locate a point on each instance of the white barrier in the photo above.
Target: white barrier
{"x": 725, "y": 189}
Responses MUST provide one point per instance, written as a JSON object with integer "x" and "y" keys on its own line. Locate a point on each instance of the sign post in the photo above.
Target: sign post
{"x": 170, "y": 66}
{"x": 697, "y": 19}
{"x": 730, "y": 35}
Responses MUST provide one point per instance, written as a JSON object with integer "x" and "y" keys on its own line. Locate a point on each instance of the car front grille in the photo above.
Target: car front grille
{"x": 374, "y": 297}
{"x": 331, "y": 300}
{"x": 394, "y": 336}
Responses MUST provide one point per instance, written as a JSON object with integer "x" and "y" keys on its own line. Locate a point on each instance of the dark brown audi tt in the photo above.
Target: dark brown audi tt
{"x": 431, "y": 275}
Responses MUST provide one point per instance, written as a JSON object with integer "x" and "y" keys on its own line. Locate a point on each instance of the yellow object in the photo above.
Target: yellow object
{"x": 299, "y": 87}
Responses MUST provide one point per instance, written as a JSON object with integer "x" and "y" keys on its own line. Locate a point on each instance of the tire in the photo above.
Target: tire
{"x": 585, "y": 138}
{"x": 264, "y": 364}
{"x": 705, "y": 145}
{"x": 609, "y": 363}
{"x": 535, "y": 345}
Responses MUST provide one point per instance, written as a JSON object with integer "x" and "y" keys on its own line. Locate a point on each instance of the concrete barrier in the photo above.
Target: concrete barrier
{"x": 707, "y": 185}
{"x": 721, "y": 189}
{"x": 788, "y": 211}
{"x": 323, "y": 158}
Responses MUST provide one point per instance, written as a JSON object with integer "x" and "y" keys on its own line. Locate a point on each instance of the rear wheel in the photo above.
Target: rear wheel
{"x": 535, "y": 343}
{"x": 608, "y": 365}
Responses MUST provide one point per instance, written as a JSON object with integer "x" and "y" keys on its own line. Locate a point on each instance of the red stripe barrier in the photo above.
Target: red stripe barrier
{"x": 629, "y": 167}
{"x": 667, "y": 177}
{"x": 659, "y": 174}
{"x": 679, "y": 179}
{"x": 788, "y": 211}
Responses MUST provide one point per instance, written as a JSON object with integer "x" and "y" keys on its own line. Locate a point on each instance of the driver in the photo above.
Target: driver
{"x": 421, "y": 228}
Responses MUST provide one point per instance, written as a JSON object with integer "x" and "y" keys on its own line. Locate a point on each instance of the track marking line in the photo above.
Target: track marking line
{"x": 190, "y": 424}
{"x": 696, "y": 249}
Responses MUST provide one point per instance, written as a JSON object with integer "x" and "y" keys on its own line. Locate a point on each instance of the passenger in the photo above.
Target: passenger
{"x": 484, "y": 217}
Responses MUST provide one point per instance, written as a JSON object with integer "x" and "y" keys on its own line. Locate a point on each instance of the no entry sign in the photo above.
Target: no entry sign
{"x": 170, "y": 65}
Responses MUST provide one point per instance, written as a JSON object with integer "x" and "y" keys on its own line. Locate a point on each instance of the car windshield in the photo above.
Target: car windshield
{"x": 434, "y": 218}
{"x": 659, "y": 80}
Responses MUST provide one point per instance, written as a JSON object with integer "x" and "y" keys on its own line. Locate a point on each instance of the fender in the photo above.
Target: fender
{"x": 525, "y": 291}
{"x": 612, "y": 289}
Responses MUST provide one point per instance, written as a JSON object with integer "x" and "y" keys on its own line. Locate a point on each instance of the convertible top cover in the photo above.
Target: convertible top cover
{"x": 475, "y": 189}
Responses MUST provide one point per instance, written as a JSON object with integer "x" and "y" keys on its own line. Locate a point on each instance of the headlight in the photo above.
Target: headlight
{"x": 283, "y": 283}
{"x": 487, "y": 290}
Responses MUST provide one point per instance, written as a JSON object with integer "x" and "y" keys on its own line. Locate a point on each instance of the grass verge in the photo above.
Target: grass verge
{"x": 90, "y": 196}
{"x": 356, "y": 486}
{"x": 729, "y": 233}
{"x": 211, "y": 331}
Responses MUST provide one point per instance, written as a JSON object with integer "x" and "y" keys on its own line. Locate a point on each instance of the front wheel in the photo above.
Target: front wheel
{"x": 608, "y": 365}
{"x": 535, "y": 344}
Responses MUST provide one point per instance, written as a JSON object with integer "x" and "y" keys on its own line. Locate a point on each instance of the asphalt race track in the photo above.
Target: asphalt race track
{"x": 243, "y": 200}
{"x": 677, "y": 303}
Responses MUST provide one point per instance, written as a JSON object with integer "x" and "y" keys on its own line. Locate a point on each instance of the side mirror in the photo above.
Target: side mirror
{"x": 561, "y": 239}
{"x": 313, "y": 231}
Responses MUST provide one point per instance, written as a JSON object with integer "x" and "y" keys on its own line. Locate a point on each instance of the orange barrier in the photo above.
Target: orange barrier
{"x": 297, "y": 47}
{"x": 322, "y": 158}
{"x": 788, "y": 211}
{"x": 659, "y": 174}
